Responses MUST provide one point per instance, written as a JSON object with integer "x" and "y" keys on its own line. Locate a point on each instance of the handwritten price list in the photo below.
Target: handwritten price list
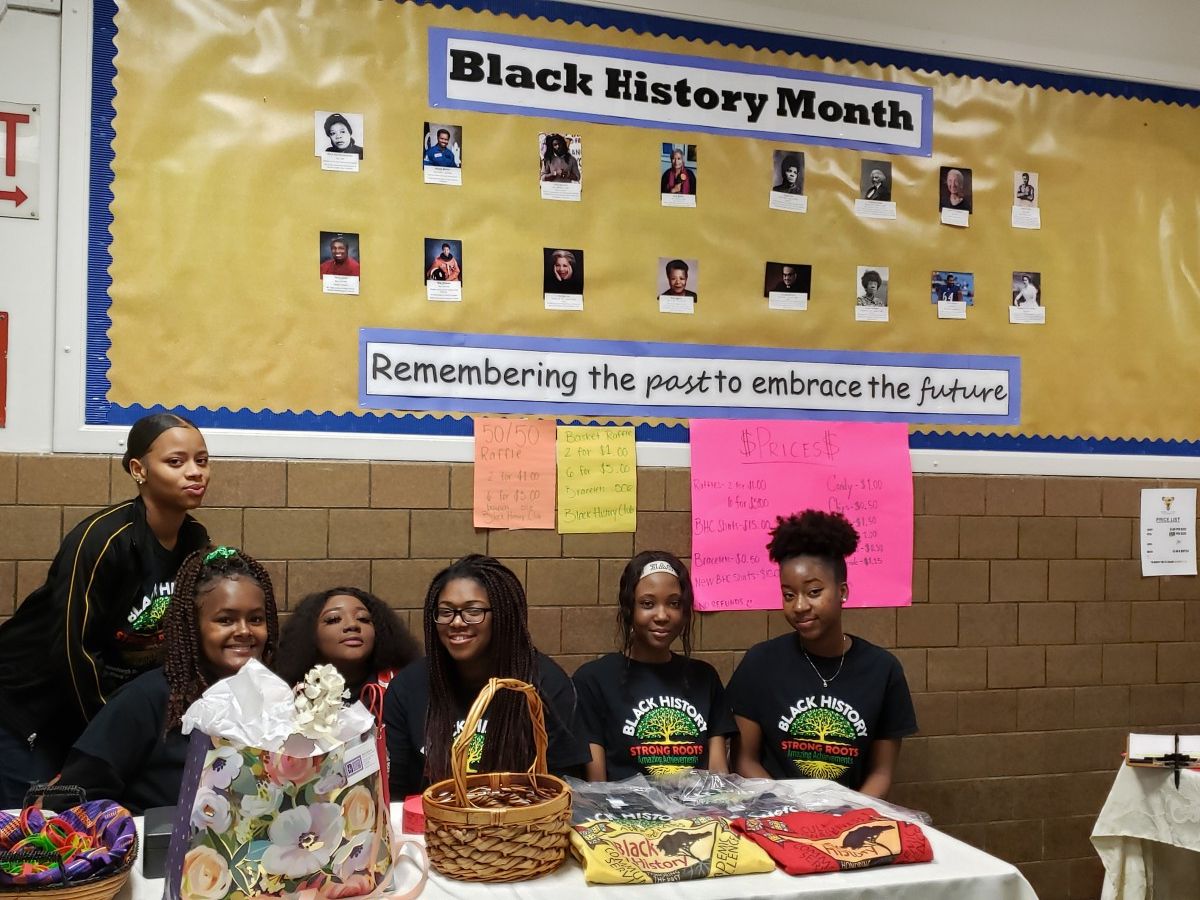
{"x": 514, "y": 473}
{"x": 597, "y": 480}
{"x": 747, "y": 473}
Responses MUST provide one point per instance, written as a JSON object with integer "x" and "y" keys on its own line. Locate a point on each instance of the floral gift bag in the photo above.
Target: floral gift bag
{"x": 275, "y": 820}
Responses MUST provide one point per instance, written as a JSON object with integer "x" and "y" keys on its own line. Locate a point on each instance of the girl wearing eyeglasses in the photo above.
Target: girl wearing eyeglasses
{"x": 476, "y": 628}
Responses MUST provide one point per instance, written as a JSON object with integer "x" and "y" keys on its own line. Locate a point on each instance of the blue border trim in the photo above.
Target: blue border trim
{"x": 1011, "y": 365}
{"x": 439, "y": 38}
{"x": 99, "y": 410}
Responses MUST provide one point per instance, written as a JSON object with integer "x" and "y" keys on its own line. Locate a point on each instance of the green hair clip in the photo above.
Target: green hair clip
{"x": 220, "y": 553}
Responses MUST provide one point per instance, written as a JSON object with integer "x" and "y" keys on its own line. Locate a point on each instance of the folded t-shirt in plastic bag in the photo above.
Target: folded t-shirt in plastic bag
{"x": 633, "y": 799}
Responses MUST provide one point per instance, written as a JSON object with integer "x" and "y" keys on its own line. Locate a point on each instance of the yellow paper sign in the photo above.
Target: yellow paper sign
{"x": 597, "y": 480}
{"x": 514, "y": 473}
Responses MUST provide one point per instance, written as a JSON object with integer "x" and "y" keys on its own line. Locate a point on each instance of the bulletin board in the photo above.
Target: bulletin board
{"x": 210, "y": 211}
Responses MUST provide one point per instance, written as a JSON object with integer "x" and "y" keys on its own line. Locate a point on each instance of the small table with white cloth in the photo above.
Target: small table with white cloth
{"x": 1148, "y": 835}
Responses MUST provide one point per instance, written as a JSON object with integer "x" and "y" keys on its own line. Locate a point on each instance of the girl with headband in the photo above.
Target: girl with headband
{"x": 647, "y": 710}
{"x": 817, "y": 702}
{"x": 96, "y": 623}
{"x": 222, "y": 615}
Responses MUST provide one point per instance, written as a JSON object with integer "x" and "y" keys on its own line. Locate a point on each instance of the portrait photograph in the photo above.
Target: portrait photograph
{"x": 788, "y": 172}
{"x": 560, "y": 166}
{"x": 678, "y": 284}
{"x": 1027, "y": 290}
{"x": 952, "y": 287}
{"x": 443, "y": 269}
{"x": 562, "y": 271}
{"x": 955, "y": 188}
{"x": 677, "y": 181}
{"x": 340, "y": 263}
{"x": 1025, "y": 189}
{"x": 787, "y": 278}
{"x": 338, "y": 132}
{"x": 441, "y": 146}
{"x": 872, "y": 288}
{"x": 875, "y": 182}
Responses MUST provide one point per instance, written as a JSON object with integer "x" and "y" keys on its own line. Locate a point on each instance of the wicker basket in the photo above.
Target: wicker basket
{"x": 501, "y": 826}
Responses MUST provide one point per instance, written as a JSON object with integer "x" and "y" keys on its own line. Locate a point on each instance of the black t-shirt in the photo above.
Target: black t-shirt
{"x": 123, "y": 754}
{"x": 810, "y": 731}
{"x": 652, "y": 718}
{"x": 407, "y": 700}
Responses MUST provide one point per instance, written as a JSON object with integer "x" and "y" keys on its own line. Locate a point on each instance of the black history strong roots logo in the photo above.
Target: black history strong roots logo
{"x": 821, "y": 733}
{"x": 669, "y": 732}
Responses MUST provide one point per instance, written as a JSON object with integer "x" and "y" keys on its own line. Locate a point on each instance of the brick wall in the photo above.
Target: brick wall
{"x": 1032, "y": 647}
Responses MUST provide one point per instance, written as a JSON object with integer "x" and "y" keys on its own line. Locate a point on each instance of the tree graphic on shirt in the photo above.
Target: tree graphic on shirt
{"x": 667, "y": 726}
{"x": 828, "y": 727}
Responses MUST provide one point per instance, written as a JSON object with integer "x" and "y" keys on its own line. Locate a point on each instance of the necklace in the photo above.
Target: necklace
{"x": 825, "y": 681}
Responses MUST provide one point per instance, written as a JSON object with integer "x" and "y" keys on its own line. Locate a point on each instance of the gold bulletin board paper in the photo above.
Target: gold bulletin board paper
{"x": 597, "y": 480}
{"x": 219, "y": 201}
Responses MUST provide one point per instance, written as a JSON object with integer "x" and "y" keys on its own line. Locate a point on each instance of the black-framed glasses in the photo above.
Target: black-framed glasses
{"x": 472, "y": 615}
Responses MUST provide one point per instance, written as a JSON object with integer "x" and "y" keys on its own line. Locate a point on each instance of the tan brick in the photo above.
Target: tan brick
{"x": 987, "y": 537}
{"x": 1015, "y": 496}
{"x": 1123, "y": 580}
{"x": 462, "y": 486}
{"x": 1192, "y": 621}
{"x": 876, "y": 625}
{"x": 73, "y": 515}
{"x": 1068, "y": 794}
{"x": 1191, "y": 701}
{"x": 1016, "y": 667}
{"x": 954, "y": 495}
{"x": 1156, "y": 705}
{"x": 8, "y": 478}
{"x": 63, "y": 480}
{"x": 396, "y": 485}
{"x": 913, "y": 663}
{"x": 956, "y": 669}
{"x": 31, "y": 575}
{"x": 403, "y": 583}
{"x": 277, "y": 572}
{"x": 919, "y": 482}
{"x": 1100, "y": 706}
{"x": 935, "y": 537}
{"x": 1087, "y": 878}
{"x": 610, "y": 579}
{"x": 610, "y": 546}
{"x": 1077, "y": 665}
{"x": 974, "y": 834}
{"x": 723, "y": 661}
{"x": 988, "y": 624}
{"x": 1016, "y": 754}
{"x": 1131, "y": 663}
{"x": 1161, "y": 621}
{"x": 1068, "y": 838}
{"x": 8, "y": 588}
{"x": 525, "y": 542}
{"x": 987, "y": 712}
{"x": 677, "y": 489}
{"x": 1046, "y": 537}
{"x": 738, "y": 630}
{"x": 30, "y": 532}
{"x": 247, "y": 482}
{"x": 1179, "y": 587}
{"x": 928, "y": 625}
{"x": 920, "y": 577}
{"x": 286, "y": 533}
{"x": 1047, "y": 623}
{"x": 1014, "y": 841}
{"x": 120, "y": 482}
{"x": 545, "y": 627}
{"x": 937, "y": 713}
{"x": 1045, "y": 709}
{"x": 958, "y": 755}
{"x": 563, "y": 582}
{"x": 368, "y": 533}
{"x": 958, "y": 581}
{"x": 520, "y": 568}
{"x": 1076, "y": 580}
{"x": 651, "y": 488}
{"x": 310, "y": 576}
{"x": 1073, "y": 496}
{"x": 588, "y": 630}
{"x": 664, "y": 531}
{"x": 224, "y": 526}
{"x": 1179, "y": 662}
{"x": 1104, "y": 538}
{"x": 1122, "y": 496}
{"x": 572, "y": 661}
{"x": 1019, "y": 580}
{"x": 328, "y": 483}
{"x": 438, "y": 533}
{"x": 1103, "y": 623}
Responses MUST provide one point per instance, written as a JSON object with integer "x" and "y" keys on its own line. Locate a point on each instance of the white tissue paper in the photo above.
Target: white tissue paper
{"x": 255, "y": 708}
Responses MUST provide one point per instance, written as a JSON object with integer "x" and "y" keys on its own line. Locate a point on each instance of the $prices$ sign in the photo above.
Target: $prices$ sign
{"x": 746, "y": 473}
{"x": 514, "y": 473}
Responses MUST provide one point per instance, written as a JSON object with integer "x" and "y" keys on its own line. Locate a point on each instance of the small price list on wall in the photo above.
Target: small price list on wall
{"x": 745, "y": 474}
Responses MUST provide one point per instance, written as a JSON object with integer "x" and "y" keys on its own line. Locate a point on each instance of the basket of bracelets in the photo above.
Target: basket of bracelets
{"x": 82, "y": 853}
{"x": 499, "y": 826}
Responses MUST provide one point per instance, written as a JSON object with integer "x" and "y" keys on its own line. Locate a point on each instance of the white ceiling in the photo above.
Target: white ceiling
{"x": 1154, "y": 40}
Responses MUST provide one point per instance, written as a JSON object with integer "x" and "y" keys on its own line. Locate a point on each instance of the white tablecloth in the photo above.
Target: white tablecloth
{"x": 1148, "y": 835}
{"x": 958, "y": 872}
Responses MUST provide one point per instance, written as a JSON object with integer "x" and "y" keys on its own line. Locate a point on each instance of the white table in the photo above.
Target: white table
{"x": 1148, "y": 835}
{"x": 958, "y": 871}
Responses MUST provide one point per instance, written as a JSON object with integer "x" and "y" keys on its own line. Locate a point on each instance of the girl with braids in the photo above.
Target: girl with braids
{"x": 817, "y": 702}
{"x": 476, "y": 628}
{"x": 222, "y": 614}
{"x": 647, "y": 710}
{"x": 96, "y": 623}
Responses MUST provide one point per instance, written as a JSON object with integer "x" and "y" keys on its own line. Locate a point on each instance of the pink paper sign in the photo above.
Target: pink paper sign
{"x": 745, "y": 473}
{"x": 514, "y": 473}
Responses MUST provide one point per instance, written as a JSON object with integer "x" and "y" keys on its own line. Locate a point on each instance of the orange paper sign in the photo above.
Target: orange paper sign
{"x": 514, "y": 473}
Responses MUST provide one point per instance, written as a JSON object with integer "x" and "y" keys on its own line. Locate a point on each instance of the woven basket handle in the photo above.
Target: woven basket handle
{"x": 458, "y": 753}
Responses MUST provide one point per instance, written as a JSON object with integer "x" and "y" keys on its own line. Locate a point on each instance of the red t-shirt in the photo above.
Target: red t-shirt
{"x": 347, "y": 267}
